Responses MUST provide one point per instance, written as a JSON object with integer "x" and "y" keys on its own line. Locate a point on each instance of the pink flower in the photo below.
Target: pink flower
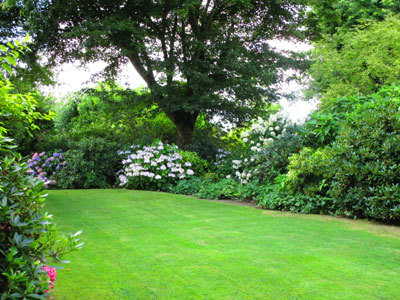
{"x": 51, "y": 272}
{"x": 51, "y": 158}
{"x": 41, "y": 154}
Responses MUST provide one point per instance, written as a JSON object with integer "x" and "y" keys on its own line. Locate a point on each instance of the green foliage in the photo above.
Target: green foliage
{"x": 27, "y": 235}
{"x": 198, "y": 165}
{"x": 20, "y": 114}
{"x": 298, "y": 203}
{"x": 223, "y": 189}
{"x": 206, "y": 139}
{"x": 309, "y": 170}
{"x": 327, "y": 17}
{"x": 113, "y": 113}
{"x": 357, "y": 62}
{"x": 189, "y": 186}
{"x": 90, "y": 163}
{"x": 204, "y": 44}
{"x": 358, "y": 174}
{"x": 366, "y": 155}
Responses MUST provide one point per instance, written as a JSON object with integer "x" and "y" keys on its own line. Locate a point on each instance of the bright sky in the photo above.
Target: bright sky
{"x": 71, "y": 78}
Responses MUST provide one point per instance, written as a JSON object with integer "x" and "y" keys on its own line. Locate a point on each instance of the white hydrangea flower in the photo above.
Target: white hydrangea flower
{"x": 158, "y": 177}
{"x": 190, "y": 172}
{"x": 123, "y": 180}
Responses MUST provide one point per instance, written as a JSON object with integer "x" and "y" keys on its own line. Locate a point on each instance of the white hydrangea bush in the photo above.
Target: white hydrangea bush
{"x": 268, "y": 144}
{"x": 155, "y": 167}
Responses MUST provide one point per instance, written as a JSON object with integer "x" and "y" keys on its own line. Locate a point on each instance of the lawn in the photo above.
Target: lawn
{"x": 146, "y": 245}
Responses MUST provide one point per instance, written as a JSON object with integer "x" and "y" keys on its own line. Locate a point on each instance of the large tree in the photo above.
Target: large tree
{"x": 196, "y": 56}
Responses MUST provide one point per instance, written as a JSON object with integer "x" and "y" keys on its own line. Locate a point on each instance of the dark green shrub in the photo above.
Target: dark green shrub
{"x": 91, "y": 163}
{"x": 206, "y": 139}
{"x": 27, "y": 236}
{"x": 367, "y": 160}
{"x": 358, "y": 174}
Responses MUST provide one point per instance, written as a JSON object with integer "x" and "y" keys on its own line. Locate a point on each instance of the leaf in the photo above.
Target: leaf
{"x": 4, "y": 201}
{"x": 10, "y": 60}
{"x": 7, "y": 68}
{"x": 26, "y": 242}
{"x": 17, "y": 238}
{"x": 36, "y": 296}
{"x": 77, "y": 233}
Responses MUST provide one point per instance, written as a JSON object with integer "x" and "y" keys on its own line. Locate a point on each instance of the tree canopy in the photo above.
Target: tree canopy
{"x": 329, "y": 17}
{"x": 369, "y": 57}
{"x": 197, "y": 57}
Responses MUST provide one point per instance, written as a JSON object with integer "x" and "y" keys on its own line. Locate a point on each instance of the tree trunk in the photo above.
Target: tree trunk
{"x": 184, "y": 122}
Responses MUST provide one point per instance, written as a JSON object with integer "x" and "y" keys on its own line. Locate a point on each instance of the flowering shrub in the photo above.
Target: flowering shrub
{"x": 27, "y": 234}
{"x": 44, "y": 166}
{"x": 155, "y": 167}
{"x": 223, "y": 164}
{"x": 92, "y": 163}
{"x": 268, "y": 145}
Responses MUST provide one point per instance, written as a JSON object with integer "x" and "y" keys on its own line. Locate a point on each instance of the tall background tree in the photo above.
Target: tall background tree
{"x": 356, "y": 47}
{"x": 197, "y": 57}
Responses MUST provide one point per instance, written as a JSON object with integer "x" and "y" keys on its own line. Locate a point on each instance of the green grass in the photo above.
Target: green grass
{"x": 145, "y": 245}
